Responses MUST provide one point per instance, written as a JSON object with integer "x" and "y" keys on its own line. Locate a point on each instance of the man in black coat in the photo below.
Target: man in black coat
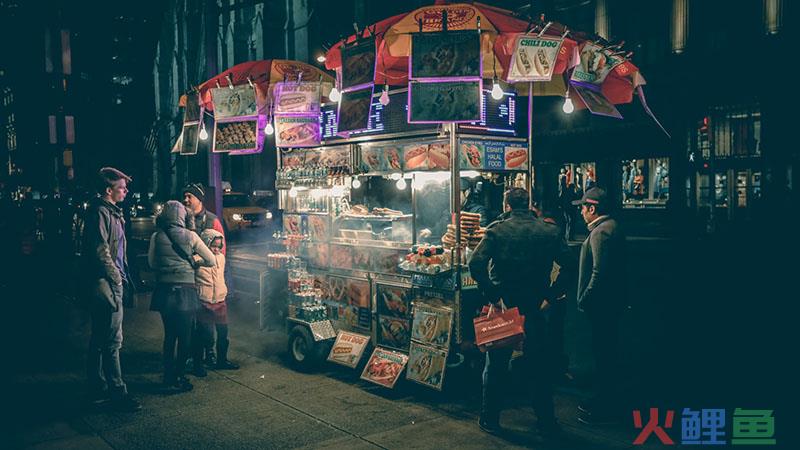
{"x": 513, "y": 262}
{"x": 107, "y": 283}
{"x": 601, "y": 295}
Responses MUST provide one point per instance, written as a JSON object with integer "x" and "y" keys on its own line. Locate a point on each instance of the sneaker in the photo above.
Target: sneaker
{"x": 211, "y": 359}
{"x": 226, "y": 365}
{"x": 489, "y": 427}
{"x": 126, "y": 403}
{"x": 199, "y": 371}
{"x": 182, "y": 384}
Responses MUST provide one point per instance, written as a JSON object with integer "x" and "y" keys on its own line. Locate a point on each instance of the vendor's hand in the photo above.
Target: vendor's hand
{"x": 544, "y": 306}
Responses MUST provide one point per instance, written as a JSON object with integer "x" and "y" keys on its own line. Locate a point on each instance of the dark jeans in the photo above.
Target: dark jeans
{"x": 177, "y": 333}
{"x": 204, "y": 340}
{"x": 535, "y": 368}
{"x": 605, "y": 346}
{"x": 555, "y": 316}
{"x": 102, "y": 363}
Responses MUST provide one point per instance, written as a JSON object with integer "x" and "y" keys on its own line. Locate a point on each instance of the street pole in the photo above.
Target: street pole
{"x": 214, "y": 202}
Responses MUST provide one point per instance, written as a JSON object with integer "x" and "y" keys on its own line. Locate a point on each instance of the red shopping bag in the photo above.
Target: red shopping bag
{"x": 498, "y": 329}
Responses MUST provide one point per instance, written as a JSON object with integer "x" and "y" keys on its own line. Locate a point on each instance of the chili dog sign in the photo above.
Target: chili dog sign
{"x": 534, "y": 58}
{"x": 492, "y": 155}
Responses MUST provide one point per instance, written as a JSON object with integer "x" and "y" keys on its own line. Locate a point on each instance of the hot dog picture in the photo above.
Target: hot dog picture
{"x": 540, "y": 62}
{"x": 472, "y": 155}
{"x": 516, "y": 158}
{"x": 384, "y": 367}
{"x": 392, "y": 158}
{"x": 297, "y": 134}
{"x": 439, "y": 156}
{"x": 415, "y": 157}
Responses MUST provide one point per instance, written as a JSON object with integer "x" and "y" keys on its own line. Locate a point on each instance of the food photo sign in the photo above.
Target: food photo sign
{"x": 431, "y": 325}
{"x": 348, "y": 349}
{"x": 358, "y": 64}
{"x": 426, "y": 365}
{"x": 297, "y": 131}
{"x": 445, "y": 77}
{"x": 384, "y": 367}
{"x": 595, "y": 101}
{"x": 596, "y": 63}
{"x": 534, "y": 58}
{"x": 297, "y": 98}
{"x": 492, "y": 155}
{"x": 354, "y": 110}
{"x": 235, "y": 119}
{"x": 296, "y": 116}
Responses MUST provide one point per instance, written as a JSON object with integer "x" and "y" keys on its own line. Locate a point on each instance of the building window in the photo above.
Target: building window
{"x": 48, "y": 51}
{"x": 66, "y": 53}
{"x": 773, "y": 16}
{"x": 680, "y": 25}
{"x": 645, "y": 183}
{"x": 575, "y": 179}
{"x": 53, "y": 130}
{"x": 736, "y": 132}
{"x": 69, "y": 126}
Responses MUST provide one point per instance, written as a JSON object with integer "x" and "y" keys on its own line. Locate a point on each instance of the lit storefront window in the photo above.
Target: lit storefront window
{"x": 575, "y": 179}
{"x": 645, "y": 182}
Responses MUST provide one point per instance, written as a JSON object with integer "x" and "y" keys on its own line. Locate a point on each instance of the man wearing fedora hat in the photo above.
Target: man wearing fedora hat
{"x": 601, "y": 295}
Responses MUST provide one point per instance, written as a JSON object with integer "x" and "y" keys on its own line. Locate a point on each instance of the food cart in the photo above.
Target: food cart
{"x": 369, "y": 230}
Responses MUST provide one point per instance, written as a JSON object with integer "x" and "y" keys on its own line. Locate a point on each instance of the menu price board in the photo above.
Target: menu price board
{"x": 426, "y": 365}
{"x": 297, "y": 131}
{"x": 189, "y": 139}
{"x": 354, "y": 109}
{"x": 236, "y": 136}
{"x": 534, "y": 58}
{"x": 384, "y": 367}
{"x": 432, "y": 325}
{"x": 449, "y": 54}
{"x": 358, "y": 64}
{"x": 297, "y": 98}
{"x": 478, "y": 154}
{"x": 596, "y": 63}
{"x": 445, "y": 102}
{"x": 348, "y": 349}
{"x": 239, "y": 101}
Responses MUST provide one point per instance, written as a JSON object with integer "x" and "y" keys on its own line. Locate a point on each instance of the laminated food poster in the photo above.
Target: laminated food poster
{"x": 432, "y": 325}
{"x": 239, "y": 101}
{"x": 233, "y": 136}
{"x": 384, "y": 367}
{"x": 394, "y": 332}
{"x": 358, "y": 64}
{"x": 297, "y": 98}
{"x": 297, "y": 131}
{"x": 354, "y": 109}
{"x": 595, "y": 65}
{"x": 445, "y": 102}
{"x": 534, "y": 58}
{"x": 426, "y": 365}
{"x": 479, "y": 154}
{"x": 393, "y": 300}
{"x": 348, "y": 349}
{"x": 189, "y": 139}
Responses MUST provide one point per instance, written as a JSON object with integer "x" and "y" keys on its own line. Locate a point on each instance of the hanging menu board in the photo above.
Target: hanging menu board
{"x": 236, "y": 102}
{"x": 449, "y": 55}
{"x": 297, "y": 106}
{"x": 297, "y": 98}
{"x": 358, "y": 64}
{"x": 236, "y": 119}
{"x": 297, "y": 131}
{"x": 596, "y": 63}
{"x": 445, "y": 102}
{"x": 236, "y": 136}
{"x": 189, "y": 139}
{"x": 595, "y": 101}
{"x": 354, "y": 110}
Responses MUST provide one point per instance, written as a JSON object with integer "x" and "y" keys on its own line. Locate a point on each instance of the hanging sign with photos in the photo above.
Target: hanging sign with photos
{"x": 534, "y": 58}
{"x": 297, "y": 98}
{"x": 236, "y": 121}
{"x": 596, "y": 63}
{"x": 297, "y": 106}
{"x": 297, "y": 131}
{"x": 358, "y": 64}
{"x": 447, "y": 55}
{"x": 595, "y": 101}
{"x": 445, "y": 102}
{"x": 192, "y": 115}
{"x": 354, "y": 110}
{"x": 234, "y": 102}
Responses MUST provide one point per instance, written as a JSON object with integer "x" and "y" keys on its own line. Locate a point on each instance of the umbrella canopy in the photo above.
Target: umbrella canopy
{"x": 500, "y": 28}
{"x": 263, "y": 74}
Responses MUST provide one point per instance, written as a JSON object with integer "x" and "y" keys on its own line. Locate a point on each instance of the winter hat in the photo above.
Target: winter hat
{"x": 196, "y": 189}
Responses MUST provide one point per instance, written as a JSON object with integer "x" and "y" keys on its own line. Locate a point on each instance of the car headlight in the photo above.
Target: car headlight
{"x": 157, "y": 208}
{"x": 237, "y": 217}
{"x": 268, "y": 215}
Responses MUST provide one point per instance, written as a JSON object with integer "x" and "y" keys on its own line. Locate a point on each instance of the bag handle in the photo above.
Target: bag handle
{"x": 491, "y": 307}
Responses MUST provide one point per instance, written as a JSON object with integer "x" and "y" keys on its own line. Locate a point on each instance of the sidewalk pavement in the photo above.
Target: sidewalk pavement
{"x": 265, "y": 404}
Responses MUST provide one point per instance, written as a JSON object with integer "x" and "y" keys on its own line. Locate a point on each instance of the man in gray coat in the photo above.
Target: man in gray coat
{"x": 108, "y": 281}
{"x": 601, "y": 295}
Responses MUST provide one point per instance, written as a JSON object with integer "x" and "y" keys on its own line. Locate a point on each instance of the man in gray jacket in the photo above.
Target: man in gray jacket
{"x": 108, "y": 282}
{"x": 601, "y": 295}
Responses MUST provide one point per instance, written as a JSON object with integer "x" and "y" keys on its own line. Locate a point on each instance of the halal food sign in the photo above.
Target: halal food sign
{"x": 534, "y": 58}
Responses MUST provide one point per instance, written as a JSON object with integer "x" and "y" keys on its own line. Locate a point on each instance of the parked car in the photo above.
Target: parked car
{"x": 240, "y": 211}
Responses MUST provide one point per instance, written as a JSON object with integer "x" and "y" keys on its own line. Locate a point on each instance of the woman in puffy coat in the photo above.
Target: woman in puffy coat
{"x": 171, "y": 252}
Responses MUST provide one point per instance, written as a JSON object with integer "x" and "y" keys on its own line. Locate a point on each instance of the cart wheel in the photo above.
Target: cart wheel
{"x": 303, "y": 351}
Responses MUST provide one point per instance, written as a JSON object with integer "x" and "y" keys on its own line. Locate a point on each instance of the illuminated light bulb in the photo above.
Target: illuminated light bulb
{"x": 203, "y": 133}
{"x": 269, "y": 129}
{"x": 497, "y": 91}
{"x": 401, "y": 184}
{"x": 568, "y": 107}
{"x": 335, "y": 95}
{"x": 384, "y": 96}
{"x": 356, "y": 183}
{"x": 321, "y": 58}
